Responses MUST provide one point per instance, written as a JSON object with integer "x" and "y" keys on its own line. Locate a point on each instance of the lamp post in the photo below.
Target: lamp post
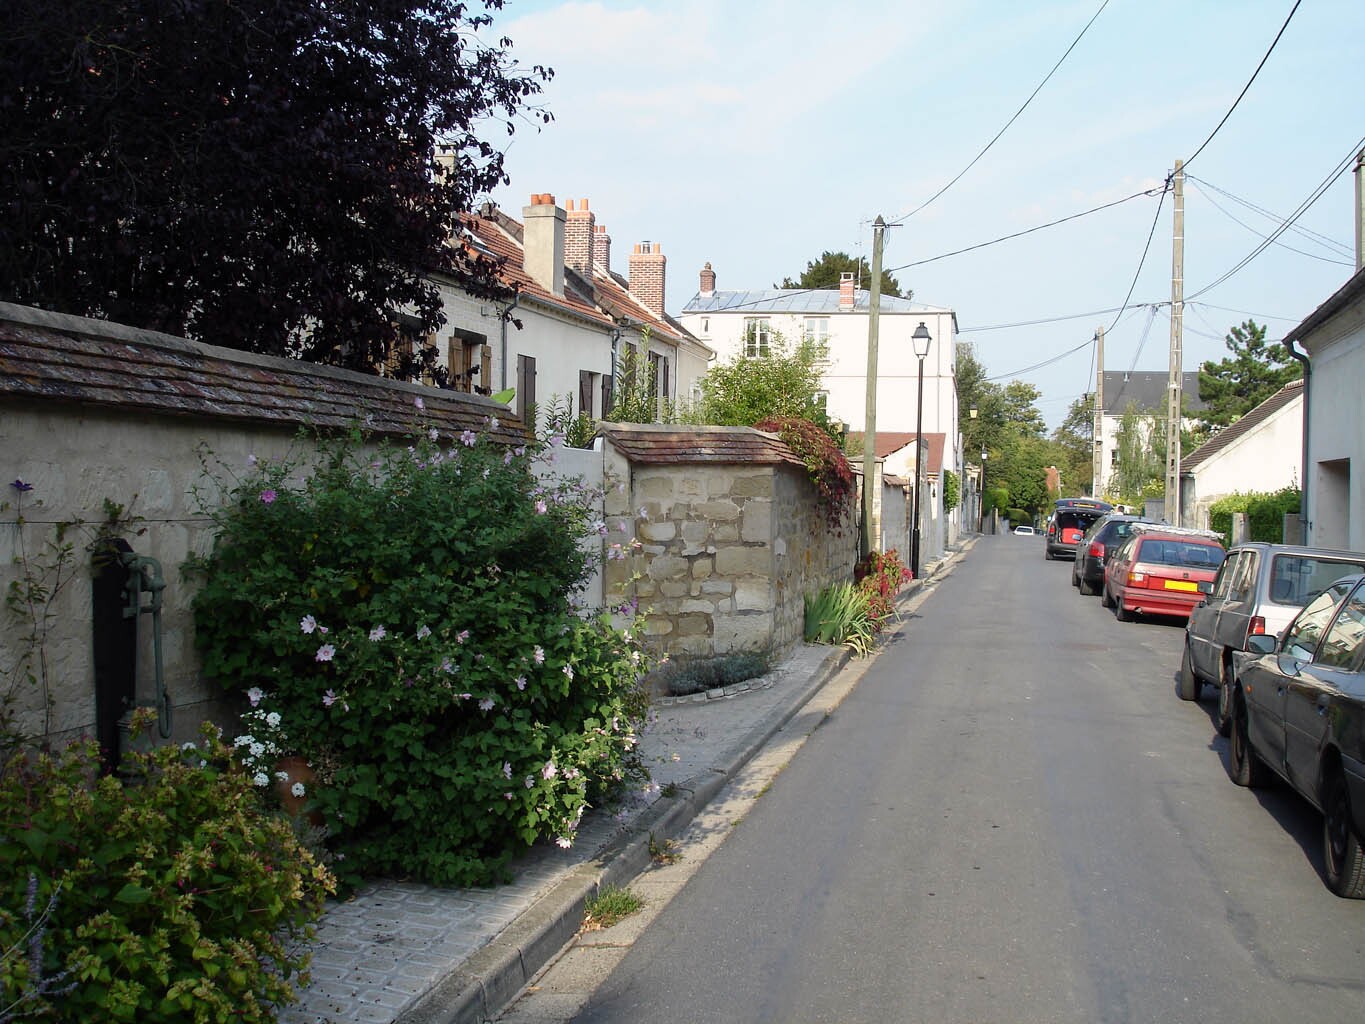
{"x": 971, "y": 415}
{"x": 920, "y": 339}
{"x": 981, "y": 526}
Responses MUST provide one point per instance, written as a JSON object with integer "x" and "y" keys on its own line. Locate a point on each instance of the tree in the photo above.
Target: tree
{"x": 1074, "y": 441}
{"x": 824, "y": 273}
{"x": 747, "y": 389}
{"x": 1234, "y": 386}
{"x": 271, "y": 175}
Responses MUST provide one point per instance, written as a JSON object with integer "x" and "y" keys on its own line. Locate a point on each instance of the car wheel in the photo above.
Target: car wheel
{"x": 1085, "y": 588}
{"x": 1105, "y": 600}
{"x": 1224, "y": 697}
{"x": 1341, "y": 853}
{"x": 1190, "y": 684}
{"x": 1121, "y": 613}
{"x": 1245, "y": 767}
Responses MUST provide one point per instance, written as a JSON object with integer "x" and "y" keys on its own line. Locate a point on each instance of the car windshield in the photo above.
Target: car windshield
{"x": 1297, "y": 579}
{"x": 1188, "y": 554}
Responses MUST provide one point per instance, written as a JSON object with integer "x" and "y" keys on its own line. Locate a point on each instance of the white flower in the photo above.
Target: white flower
{"x": 530, "y": 782}
{"x": 281, "y": 776}
{"x": 423, "y": 632}
{"x": 486, "y": 704}
{"x": 260, "y": 779}
{"x": 254, "y": 695}
{"x": 257, "y": 749}
{"x": 308, "y": 624}
{"x": 434, "y": 434}
{"x": 297, "y": 789}
{"x": 378, "y": 633}
{"x": 568, "y": 671}
{"x": 273, "y": 719}
{"x": 564, "y": 842}
{"x": 244, "y": 740}
{"x": 549, "y": 771}
{"x": 539, "y": 655}
{"x": 507, "y": 769}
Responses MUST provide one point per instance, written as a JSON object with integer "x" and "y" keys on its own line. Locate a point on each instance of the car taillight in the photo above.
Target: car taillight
{"x": 1137, "y": 579}
{"x": 1255, "y": 627}
{"x": 1096, "y": 549}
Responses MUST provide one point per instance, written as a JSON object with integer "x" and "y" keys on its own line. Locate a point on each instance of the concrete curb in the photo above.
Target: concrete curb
{"x": 492, "y": 977}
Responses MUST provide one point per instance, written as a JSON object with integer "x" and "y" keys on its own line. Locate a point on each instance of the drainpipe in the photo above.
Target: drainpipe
{"x": 505, "y": 315}
{"x": 1302, "y": 357}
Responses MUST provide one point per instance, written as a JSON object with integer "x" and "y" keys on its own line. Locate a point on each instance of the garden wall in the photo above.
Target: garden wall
{"x": 730, "y": 537}
{"x": 93, "y": 412}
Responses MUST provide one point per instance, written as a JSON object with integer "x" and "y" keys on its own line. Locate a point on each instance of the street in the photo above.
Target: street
{"x": 1010, "y": 818}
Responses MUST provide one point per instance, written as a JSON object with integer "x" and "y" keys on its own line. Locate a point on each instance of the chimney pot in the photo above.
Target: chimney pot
{"x": 543, "y": 243}
{"x": 647, "y": 273}
{"x": 847, "y": 297}
{"x": 708, "y": 280}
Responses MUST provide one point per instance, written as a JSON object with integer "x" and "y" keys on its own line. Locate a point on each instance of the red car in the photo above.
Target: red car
{"x": 1157, "y": 571}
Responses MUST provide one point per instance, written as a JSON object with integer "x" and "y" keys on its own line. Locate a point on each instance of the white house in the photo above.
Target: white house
{"x": 1143, "y": 392}
{"x": 1333, "y": 338}
{"x": 572, "y": 318}
{"x": 1262, "y": 451}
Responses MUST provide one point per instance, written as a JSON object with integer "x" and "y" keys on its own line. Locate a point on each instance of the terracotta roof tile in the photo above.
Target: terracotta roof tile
{"x": 659, "y": 444}
{"x": 890, "y": 441}
{"x": 51, "y": 357}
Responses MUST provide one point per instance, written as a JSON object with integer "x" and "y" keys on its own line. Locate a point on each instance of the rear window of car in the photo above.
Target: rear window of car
{"x": 1188, "y": 554}
{"x": 1297, "y": 579}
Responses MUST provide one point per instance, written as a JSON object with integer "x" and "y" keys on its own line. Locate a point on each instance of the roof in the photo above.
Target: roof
{"x": 663, "y": 444}
{"x": 47, "y": 356}
{"x": 1244, "y": 426}
{"x": 891, "y": 441}
{"x": 1352, "y": 290}
{"x": 799, "y": 300}
{"x": 1146, "y": 389}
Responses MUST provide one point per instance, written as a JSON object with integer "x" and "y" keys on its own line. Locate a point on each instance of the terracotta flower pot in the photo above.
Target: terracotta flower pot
{"x": 297, "y": 770}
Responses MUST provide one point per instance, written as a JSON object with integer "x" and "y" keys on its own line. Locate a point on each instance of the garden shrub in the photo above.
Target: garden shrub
{"x": 880, "y": 576}
{"x": 1265, "y": 512}
{"x": 826, "y": 464}
{"x": 166, "y": 893}
{"x": 409, "y": 616}
{"x": 681, "y": 677}
{"x": 841, "y": 615}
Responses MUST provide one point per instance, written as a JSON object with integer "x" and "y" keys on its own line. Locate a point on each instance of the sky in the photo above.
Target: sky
{"x": 756, "y": 135}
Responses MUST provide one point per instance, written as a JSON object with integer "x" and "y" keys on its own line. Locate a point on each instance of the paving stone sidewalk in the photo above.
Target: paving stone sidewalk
{"x": 406, "y": 953}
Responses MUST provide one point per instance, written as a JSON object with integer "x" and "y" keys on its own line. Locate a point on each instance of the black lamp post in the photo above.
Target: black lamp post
{"x": 981, "y": 526}
{"x": 920, "y": 339}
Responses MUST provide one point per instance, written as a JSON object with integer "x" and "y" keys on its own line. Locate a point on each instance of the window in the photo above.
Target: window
{"x": 1302, "y": 639}
{"x": 817, "y": 329}
{"x": 757, "y": 337}
{"x": 466, "y": 357}
{"x": 1341, "y": 648}
{"x": 587, "y": 387}
{"x": 705, "y": 326}
{"x": 1223, "y": 581}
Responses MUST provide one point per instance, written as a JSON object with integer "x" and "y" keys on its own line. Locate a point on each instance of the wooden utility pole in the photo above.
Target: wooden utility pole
{"x": 1174, "y": 386}
{"x": 1097, "y": 461}
{"x": 1360, "y": 209}
{"x": 869, "y": 535}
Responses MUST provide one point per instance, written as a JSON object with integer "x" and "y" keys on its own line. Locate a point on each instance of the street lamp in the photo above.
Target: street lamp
{"x": 920, "y": 339}
{"x": 981, "y": 525}
{"x": 971, "y": 414}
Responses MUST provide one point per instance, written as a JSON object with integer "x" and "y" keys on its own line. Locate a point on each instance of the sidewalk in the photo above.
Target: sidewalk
{"x": 406, "y": 953}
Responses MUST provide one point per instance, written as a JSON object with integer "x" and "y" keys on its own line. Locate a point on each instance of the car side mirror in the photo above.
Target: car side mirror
{"x": 1259, "y": 643}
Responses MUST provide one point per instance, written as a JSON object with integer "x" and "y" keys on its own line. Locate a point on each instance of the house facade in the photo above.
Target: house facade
{"x": 1143, "y": 392}
{"x": 1333, "y": 338}
{"x": 573, "y": 320}
{"x": 1262, "y": 451}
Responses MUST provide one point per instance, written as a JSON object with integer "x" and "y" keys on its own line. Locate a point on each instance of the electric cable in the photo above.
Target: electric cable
{"x": 1145, "y": 250}
{"x": 1238, "y": 100}
{"x": 1315, "y": 236}
{"x": 1311, "y": 255}
{"x": 945, "y": 188}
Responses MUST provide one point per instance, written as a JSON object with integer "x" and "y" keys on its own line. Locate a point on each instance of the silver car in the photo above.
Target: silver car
{"x": 1258, "y": 590}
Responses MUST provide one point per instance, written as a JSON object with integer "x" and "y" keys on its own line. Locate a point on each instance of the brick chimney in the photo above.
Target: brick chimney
{"x": 578, "y": 237}
{"x": 543, "y": 242}
{"x": 708, "y": 280}
{"x": 847, "y": 297}
{"x": 647, "y": 265}
{"x": 601, "y": 249}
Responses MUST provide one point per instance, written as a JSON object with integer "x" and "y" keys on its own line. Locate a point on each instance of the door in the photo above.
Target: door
{"x": 1314, "y": 700}
{"x": 1268, "y": 702}
{"x": 1203, "y": 628}
{"x": 1233, "y": 613}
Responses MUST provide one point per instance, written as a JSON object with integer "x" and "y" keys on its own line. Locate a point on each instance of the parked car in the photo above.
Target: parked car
{"x": 1023, "y": 531}
{"x": 1097, "y": 547}
{"x": 1071, "y": 517}
{"x": 1157, "y": 571}
{"x": 1298, "y": 710}
{"x": 1259, "y": 588}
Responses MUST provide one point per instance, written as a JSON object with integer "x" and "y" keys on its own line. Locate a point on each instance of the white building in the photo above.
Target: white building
{"x": 1143, "y": 392}
{"x": 1333, "y": 337}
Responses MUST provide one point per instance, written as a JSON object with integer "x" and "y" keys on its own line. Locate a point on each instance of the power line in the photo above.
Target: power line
{"x": 1044, "y": 363}
{"x": 1248, "y": 85}
{"x": 945, "y": 188}
{"x": 1309, "y": 233}
{"x": 1247, "y": 312}
{"x": 1310, "y": 255}
{"x": 1145, "y": 250}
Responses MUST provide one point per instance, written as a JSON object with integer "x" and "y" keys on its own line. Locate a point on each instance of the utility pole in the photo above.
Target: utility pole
{"x": 1360, "y": 209}
{"x": 1097, "y": 461}
{"x": 869, "y": 535}
{"x": 1173, "y": 388}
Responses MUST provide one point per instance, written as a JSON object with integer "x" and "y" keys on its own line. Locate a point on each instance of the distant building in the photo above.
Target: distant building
{"x": 1144, "y": 392}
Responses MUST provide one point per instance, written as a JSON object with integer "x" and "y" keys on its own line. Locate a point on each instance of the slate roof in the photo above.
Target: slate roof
{"x": 663, "y": 444}
{"x": 1146, "y": 389}
{"x": 890, "y": 441}
{"x": 1243, "y": 426}
{"x": 822, "y": 302}
{"x": 48, "y": 356}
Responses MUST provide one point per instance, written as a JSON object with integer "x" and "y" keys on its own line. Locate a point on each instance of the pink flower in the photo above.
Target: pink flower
{"x": 325, "y": 653}
{"x": 507, "y": 769}
{"x": 378, "y": 633}
{"x": 254, "y": 695}
{"x": 539, "y": 655}
{"x": 423, "y": 632}
{"x": 486, "y": 704}
{"x": 328, "y": 699}
{"x": 419, "y": 403}
{"x": 462, "y": 636}
{"x": 468, "y": 438}
{"x": 308, "y": 624}
{"x": 521, "y": 682}
{"x": 268, "y": 495}
{"x": 564, "y": 842}
{"x": 434, "y": 434}
{"x": 507, "y": 796}
{"x": 541, "y": 507}
{"x": 568, "y": 671}
{"x": 549, "y": 771}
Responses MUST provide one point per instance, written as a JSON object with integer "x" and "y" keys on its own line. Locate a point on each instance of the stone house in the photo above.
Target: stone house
{"x": 1333, "y": 339}
{"x": 563, "y": 336}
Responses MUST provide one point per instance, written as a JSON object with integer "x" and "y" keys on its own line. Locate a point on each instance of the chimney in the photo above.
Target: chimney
{"x": 543, "y": 242}
{"x": 647, "y": 264}
{"x": 578, "y": 237}
{"x": 601, "y": 249}
{"x": 847, "y": 297}
{"x": 708, "y": 280}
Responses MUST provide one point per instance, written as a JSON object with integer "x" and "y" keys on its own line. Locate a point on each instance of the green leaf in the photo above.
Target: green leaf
{"x": 133, "y": 894}
{"x": 505, "y": 397}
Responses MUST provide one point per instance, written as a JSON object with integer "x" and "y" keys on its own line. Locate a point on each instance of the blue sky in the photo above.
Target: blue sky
{"x": 756, "y": 135}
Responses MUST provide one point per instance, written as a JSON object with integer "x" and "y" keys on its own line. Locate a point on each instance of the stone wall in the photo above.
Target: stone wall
{"x": 718, "y": 555}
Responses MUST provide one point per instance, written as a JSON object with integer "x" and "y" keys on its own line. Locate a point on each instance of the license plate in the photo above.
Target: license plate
{"x": 1185, "y": 585}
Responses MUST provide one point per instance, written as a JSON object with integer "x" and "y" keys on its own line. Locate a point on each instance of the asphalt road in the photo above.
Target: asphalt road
{"x": 1011, "y": 818}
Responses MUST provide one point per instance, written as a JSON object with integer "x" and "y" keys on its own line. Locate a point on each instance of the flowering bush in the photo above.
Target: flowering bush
{"x": 828, "y": 467}
{"x": 409, "y": 614}
{"x": 881, "y": 575}
{"x": 167, "y": 893}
